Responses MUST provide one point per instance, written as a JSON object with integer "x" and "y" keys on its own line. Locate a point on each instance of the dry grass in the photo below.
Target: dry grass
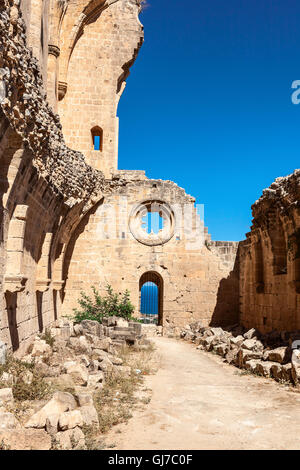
{"x": 119, "y": 395}
{"x": 46, "y": 336}
{"x": 37, "y": 389}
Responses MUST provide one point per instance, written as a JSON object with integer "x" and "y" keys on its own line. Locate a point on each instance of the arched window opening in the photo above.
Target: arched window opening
{"x": 259, "y": 267}
{"x": 279, "y": 248}
{"x": 97, "y": 138}
{"x": 151, "y": 298}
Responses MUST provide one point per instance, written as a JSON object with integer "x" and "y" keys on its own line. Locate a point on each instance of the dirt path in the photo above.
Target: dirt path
{"x": 198, "y": 402}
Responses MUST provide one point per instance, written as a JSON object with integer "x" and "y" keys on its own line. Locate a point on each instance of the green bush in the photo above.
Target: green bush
{"x": 97, "y": 307}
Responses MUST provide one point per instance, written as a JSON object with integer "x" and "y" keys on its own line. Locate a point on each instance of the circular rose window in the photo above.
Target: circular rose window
{"x": 152, "y": 222}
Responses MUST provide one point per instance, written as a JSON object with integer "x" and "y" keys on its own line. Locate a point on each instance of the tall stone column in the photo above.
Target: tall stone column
{"x": 53, "y": 55}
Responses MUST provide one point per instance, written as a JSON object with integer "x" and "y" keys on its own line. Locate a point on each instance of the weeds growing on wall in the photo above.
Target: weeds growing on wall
{"x": 96, "y": 307}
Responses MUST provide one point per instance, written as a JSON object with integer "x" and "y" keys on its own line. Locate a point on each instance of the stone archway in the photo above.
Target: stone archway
{"x": 156, "y": 303}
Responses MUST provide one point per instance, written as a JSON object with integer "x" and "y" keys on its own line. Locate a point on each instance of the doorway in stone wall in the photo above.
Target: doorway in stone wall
{"x": 151, "y": 298}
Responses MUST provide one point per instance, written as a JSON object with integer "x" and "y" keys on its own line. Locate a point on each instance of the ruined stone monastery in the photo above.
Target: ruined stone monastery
{"x": 71, "y": 219}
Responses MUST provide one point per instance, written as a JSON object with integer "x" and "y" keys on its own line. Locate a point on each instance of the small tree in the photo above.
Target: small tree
{"x": 97, "y": 307}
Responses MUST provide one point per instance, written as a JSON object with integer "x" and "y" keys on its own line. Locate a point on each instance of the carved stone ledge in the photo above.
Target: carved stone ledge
{"x": 62, "y": 90}
{"x": 42, "y": 285}
{"x": 58, "y": 285}
{"x": 14, "y": 283}
{"x": 54, "y": 50}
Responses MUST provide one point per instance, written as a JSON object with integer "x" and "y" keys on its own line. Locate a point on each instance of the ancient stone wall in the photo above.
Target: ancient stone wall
{"x": 66, "y": 216}
{"x": 105, "y": 249}
{"x": 46, "y": 187}
{"x": 94, "y": 80}
{"x": 270, "y": 260}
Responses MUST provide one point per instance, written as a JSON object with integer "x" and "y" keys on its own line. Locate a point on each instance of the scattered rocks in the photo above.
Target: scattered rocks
{"x": 76, "y": 359}
{"x": 78, "y": 372}
{"x": 250, "y": 350}
{"x": 60, "y": 403}
{"x": 281, "y": 355}
{"x": 40, "y": 348}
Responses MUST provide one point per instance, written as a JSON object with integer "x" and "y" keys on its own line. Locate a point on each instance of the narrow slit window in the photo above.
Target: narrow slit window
{"x": 97, "y": 138}
{"x": 97, "y": 142}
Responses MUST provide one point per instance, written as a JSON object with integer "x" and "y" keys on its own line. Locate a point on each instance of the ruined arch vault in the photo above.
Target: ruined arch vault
{"x": 65, "y": 207}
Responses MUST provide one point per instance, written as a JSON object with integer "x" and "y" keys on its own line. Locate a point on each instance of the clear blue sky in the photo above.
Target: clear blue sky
{"x": 208, "y": 102}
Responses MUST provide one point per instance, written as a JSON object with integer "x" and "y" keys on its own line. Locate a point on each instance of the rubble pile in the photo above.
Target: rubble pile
{"x": 74, "y": 360}
{"x": 272, "y": 355}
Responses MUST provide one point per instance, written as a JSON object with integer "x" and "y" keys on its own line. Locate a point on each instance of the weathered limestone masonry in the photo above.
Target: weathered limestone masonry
{"x": 95, "y": 65}
{"x": 106, "y": 249}
{"x": 70, "y": 218}
{"x": 46, "y": 187}
{"x": 270, "y": 260}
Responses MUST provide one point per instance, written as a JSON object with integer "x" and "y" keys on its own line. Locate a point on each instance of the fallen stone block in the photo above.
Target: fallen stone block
{"x": 236, "y": 341}
{"x": 264, "y": 368}
{"x": 251, "y": 334}
{"x": 282, "y": 355}
{"x": 70, "y": 439}
{"x": 84, "y": 399}
{"x": 70, "y": 420}
{"x": 222, "y": 349}
{"x": 40, "y": 348}
{"x": 6, "y": 396}
{"x": 251, "y": 365}
{"x": 60, "y": 403}
{"x": 103, "y": 344}
{"x": 208, "y": 343}
{"x": 8, "y": 421}
{"x": 276, "y": 371}
{"x": 252, "y": 345}
{"x": 78, "y": 330}
{"x": 231, "y": 356}
{"x": 7, "y": 379}
{"x": 77, "y": 372}
{"x": 96, "y": 380}
{"x": 89, "y": 415}
{"x": 116, "y": 361}
{"x": 106, "y": 364}
{"x": 92, "y": 327}
{"x": 80, "y": 345}
{"x": 287, "y": 372}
